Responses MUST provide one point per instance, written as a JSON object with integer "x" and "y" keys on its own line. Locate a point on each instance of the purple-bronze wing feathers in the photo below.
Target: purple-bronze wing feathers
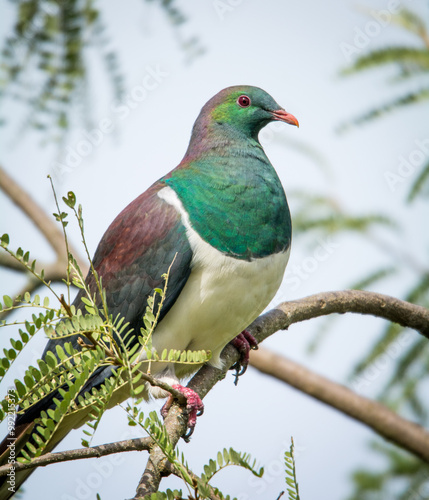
{"x": 135, "y": 251}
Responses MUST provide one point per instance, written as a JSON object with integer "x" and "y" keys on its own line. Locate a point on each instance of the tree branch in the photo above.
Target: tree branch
{"x": 281, "y": 318}
{"x": 34, "y": 212}
{"x": 50, "y": 230}
{"x": 407, "y": 435}
{"x": 354, "y": 301}
{"x": 9, "y": 262}
{"x": 138, "y": 444}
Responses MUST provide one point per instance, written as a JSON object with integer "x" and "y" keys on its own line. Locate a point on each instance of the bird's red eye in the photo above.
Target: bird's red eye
{"x": 244, "y": 101}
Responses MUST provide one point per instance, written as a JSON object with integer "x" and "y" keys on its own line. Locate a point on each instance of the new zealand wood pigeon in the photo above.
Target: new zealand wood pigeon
{"x": 222, "y": 216}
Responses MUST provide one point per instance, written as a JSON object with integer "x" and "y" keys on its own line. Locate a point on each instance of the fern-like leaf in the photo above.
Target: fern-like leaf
{"x": 413, "y": 58}
{"x": 290, "y": 469}
{"x": 418, "y": 96}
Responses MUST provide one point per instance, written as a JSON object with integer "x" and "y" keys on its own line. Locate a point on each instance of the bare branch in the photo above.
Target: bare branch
{"x": 354, "y": 301}
{"x": 45, "y": 223}
{"x": 138, "y": 444}
{"x": 50, "y": 230}
{"x": 407, "y": 435}
{"x": 9, "y": 262}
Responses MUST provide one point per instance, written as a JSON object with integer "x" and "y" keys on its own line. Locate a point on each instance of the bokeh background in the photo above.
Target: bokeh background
{"x": 163, "y": 73}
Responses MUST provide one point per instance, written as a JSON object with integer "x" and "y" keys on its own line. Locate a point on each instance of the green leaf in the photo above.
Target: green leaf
{"x": 11, "y": 354}
{"x": 20, "y": 388}
{"x": 395, "y": 55}
{"x": 29, "y": 381}
{"x": 5, "y": 240}
{"x": 51, "y": 360}
{"x": 86, "y": 301}
{"x": 60, "y": 353}
{"x": 32, "y": 448}
{"x": 150, "y": 316}
{"x": 291, "y": 471}
{"x": 16, "y": 344}
{"x": 7, "y": 301}
{"x": 138, "y": 390}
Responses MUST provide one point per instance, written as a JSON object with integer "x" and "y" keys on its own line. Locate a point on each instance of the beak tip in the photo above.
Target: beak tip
{"x": 284, "y": 116}
{"x": 294, "y": 121}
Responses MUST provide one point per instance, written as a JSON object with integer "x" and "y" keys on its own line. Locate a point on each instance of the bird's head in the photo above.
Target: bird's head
{"x": 246, "y": 109}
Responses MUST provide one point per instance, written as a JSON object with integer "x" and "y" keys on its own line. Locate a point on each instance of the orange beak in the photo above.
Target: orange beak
{"x": 284, "y": 116}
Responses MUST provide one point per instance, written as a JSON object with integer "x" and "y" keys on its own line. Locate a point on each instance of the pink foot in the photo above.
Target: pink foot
{"x": 243, "y": 342}
{"x": 194, "y": 407}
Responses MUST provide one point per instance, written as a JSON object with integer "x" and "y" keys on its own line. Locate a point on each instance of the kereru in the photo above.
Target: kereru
{"x": 222, "y": 216}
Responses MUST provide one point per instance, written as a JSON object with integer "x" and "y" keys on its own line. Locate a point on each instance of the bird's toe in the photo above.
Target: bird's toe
{"x": 194, "y": 407}
{"x": 244, "y": 343}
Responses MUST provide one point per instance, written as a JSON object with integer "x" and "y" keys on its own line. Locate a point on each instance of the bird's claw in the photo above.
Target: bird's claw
{"x": 243, "y": 342}
{"x": 194, "y": 407}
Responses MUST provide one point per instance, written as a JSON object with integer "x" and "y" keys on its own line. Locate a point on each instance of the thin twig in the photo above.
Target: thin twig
{"x": 154, "y": 382}
{"x": 173, "y": 470}
{"x": 137, "y": 444}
